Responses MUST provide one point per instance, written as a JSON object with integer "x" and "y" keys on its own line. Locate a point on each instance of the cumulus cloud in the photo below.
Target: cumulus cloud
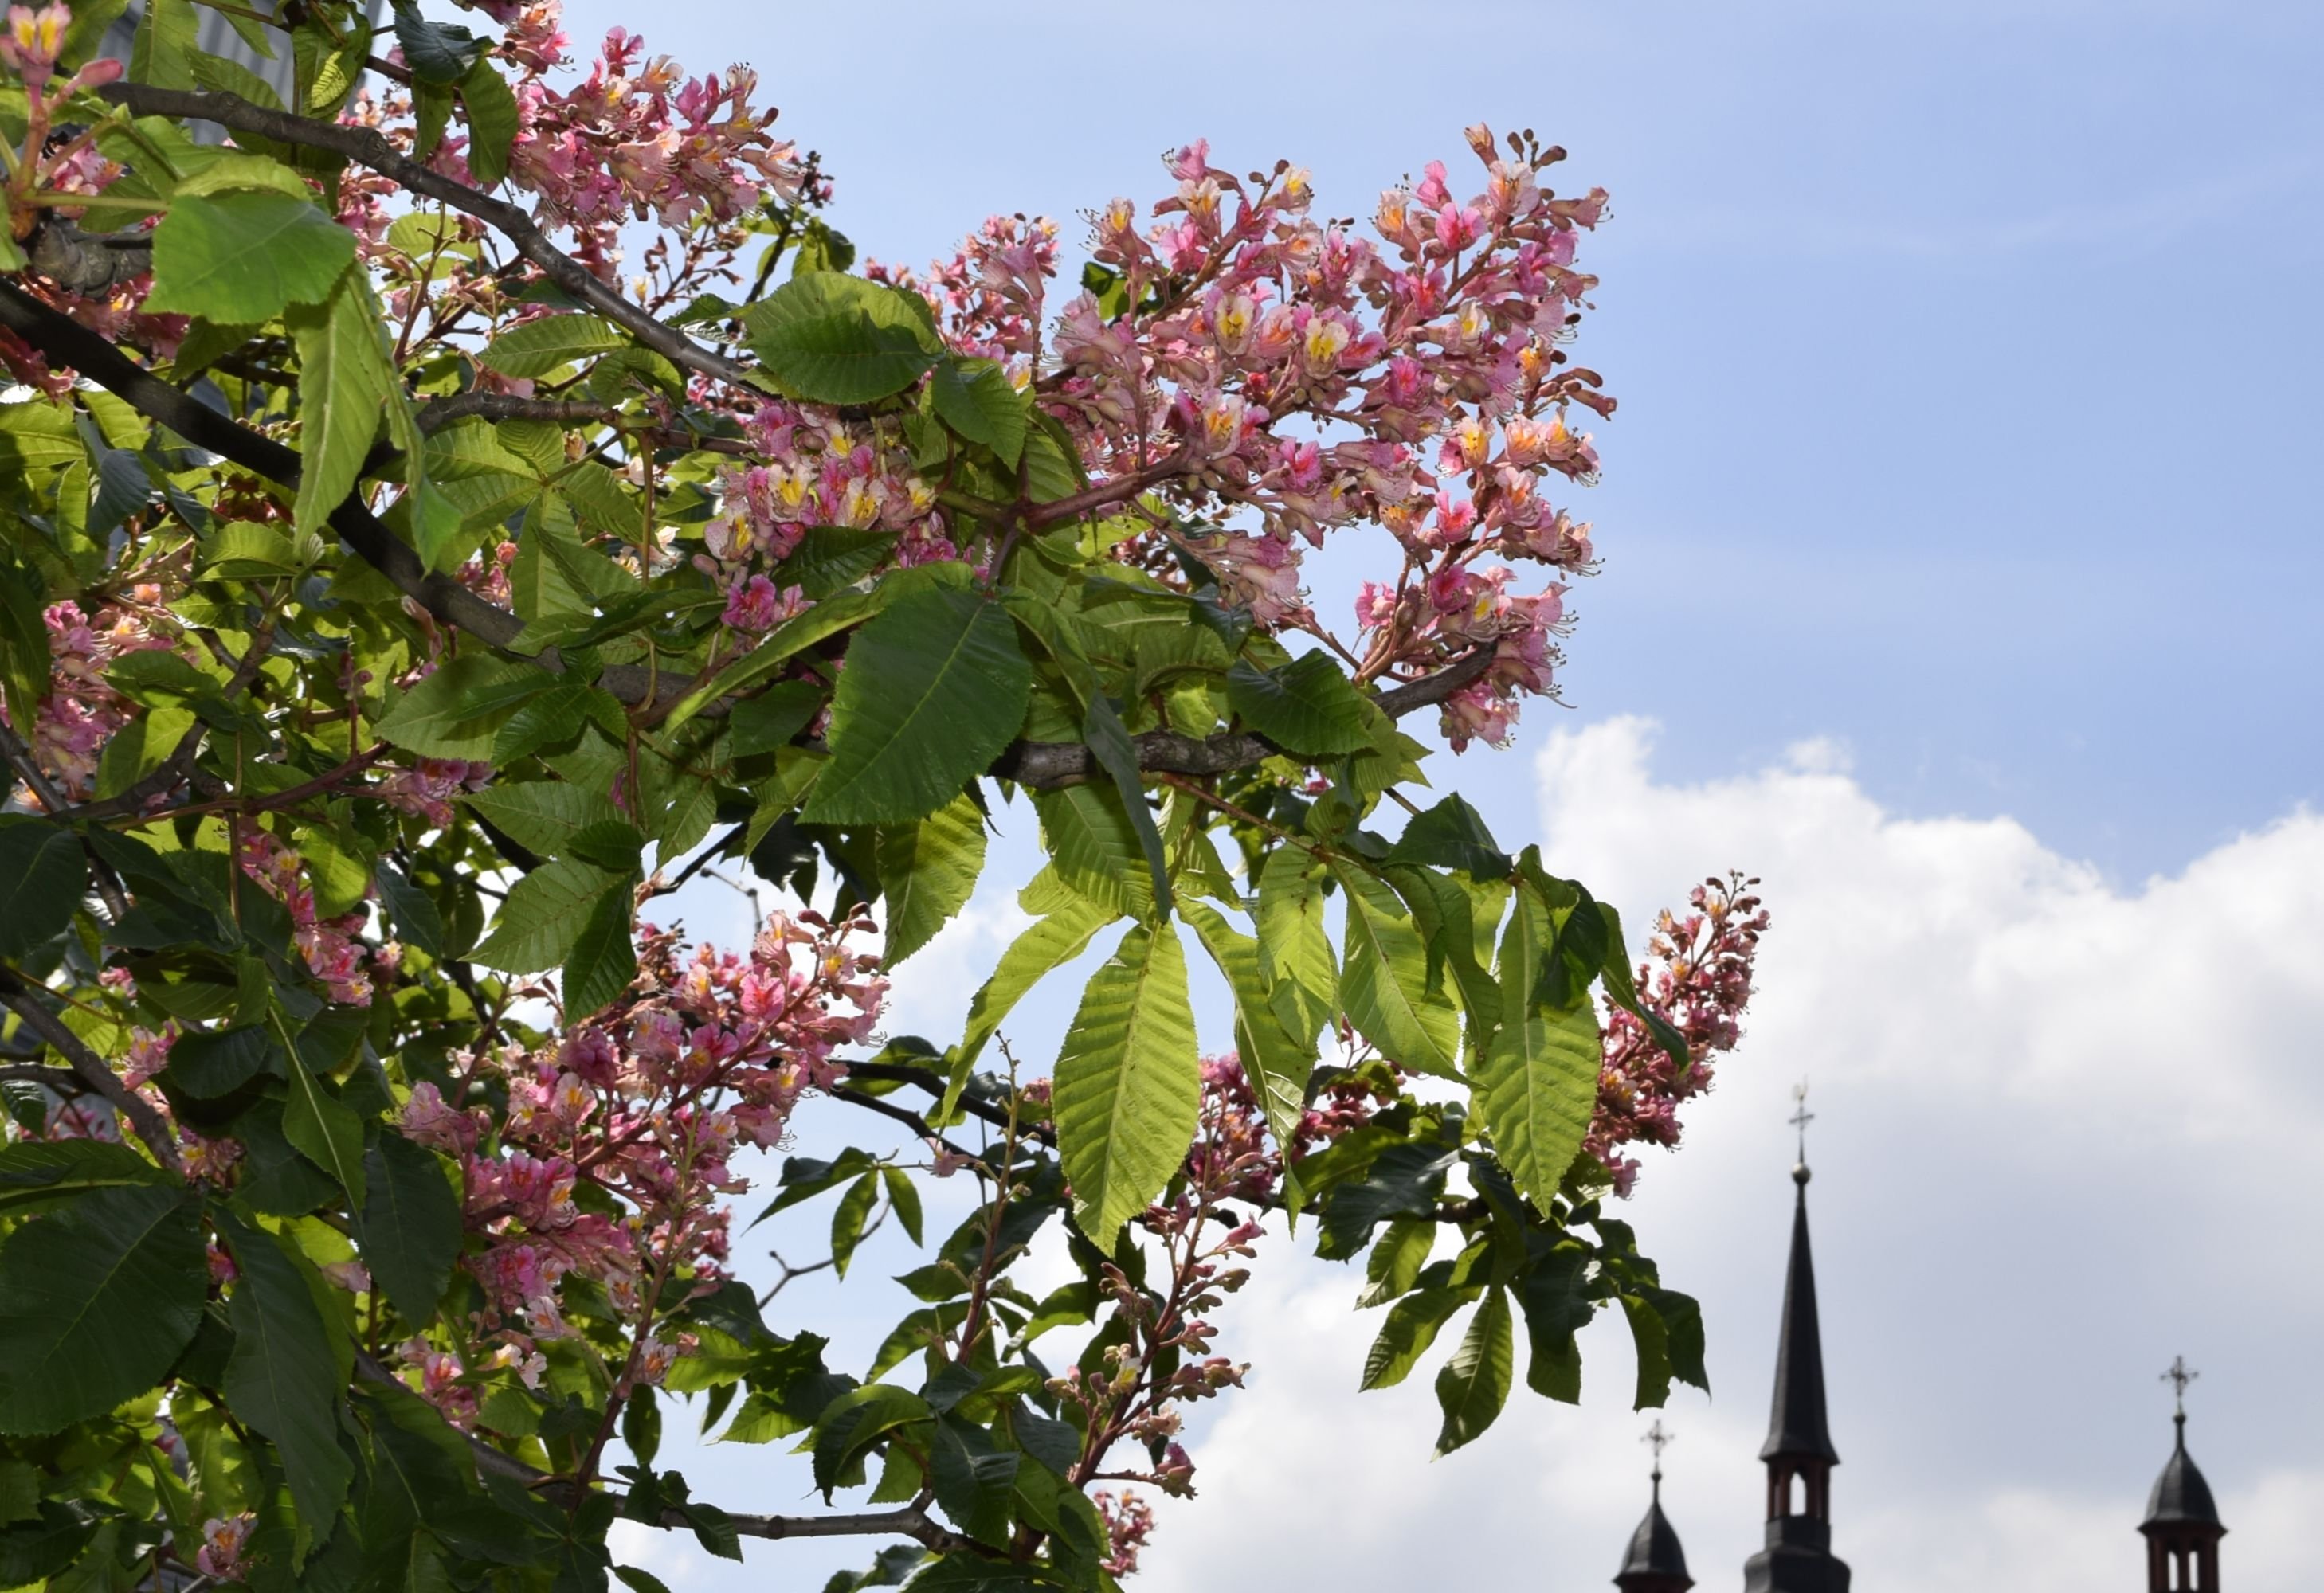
{"x": 2066, "y": 1130}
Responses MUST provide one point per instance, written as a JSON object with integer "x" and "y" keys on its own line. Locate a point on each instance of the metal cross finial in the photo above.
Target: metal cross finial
{"x": 1660, "y": 1439}
{"x": 1801, "y": 1117}
{"x": 2179, "y": 1375}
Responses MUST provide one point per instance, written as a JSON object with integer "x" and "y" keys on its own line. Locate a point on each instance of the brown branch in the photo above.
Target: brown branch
{"x": 17, "y": 994}
{"x": 367, "y": 147}
{"x": 439, "y": 413}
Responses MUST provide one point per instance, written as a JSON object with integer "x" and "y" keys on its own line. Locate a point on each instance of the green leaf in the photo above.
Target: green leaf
{"x": 436, "y": 53}
{"x": 1623, "y": 991}
{"x": 1555, "y": 1292}
{"x": 976, "y": 399}
{"x": 770, "y": 720}
{"x": 928, "y": 872}
{"x": 284, "y": 1379}
{"x": 543, "y": 816}
{"x": 604, "y": 959}
{"x": 934, "y": 690}
{"x": 1536, "y": 1082}
{"x": 35, "y": 1174}
{"x": 454, "y": 712}
{"x": 1396, "y": 1261}
{"x": 782, "y": 643}
{"x": 537, "y": 347}
{"x": 1277, "y": 1064}
{"x": 832, "y": 558}
{"x": 543, "y": 916}
{"x": 207, "y": 1064}
{"x": 1306, "y": 706}
{"x": 1410, "y": 1327}
{"x": 1049, "y": 944}
{"x": 1294, "y": 948}
{"x": 1474, "y": 1385}
{"x": 409, "y": 1231}
{"x": 492, "y": 122}
{"x": 973, "y": 1478}
{"x": 1094, "y": 848}
{"x": 43, "y": 875}
{"x": 1384, "y": 982}
{"x": 847, "y": 1220}
{"x": 836, "y": 339}
{"x": 96, "y": 1301}
{"x": 1453, "y": 835}
{"x": 325, "y": 1129}
{"x": 904, "y": 1198}
{"x": 1129, "y": 1081}
{"x": 410, "y": 910}
{"x": 855, "y": 1421}
{"x": 345, "y": 386}
{"x": 242, "y": 257}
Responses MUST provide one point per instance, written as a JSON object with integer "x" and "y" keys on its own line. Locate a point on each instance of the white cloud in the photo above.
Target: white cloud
{"x": 2066, "y": 1132}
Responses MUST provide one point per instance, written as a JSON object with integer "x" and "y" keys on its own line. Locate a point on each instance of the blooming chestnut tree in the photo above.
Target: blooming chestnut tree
{"x": 455, "y": 489}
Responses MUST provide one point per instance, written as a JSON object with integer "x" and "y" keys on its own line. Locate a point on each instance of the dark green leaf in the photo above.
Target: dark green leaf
{"x": 492, "y": 122}
{"x": 973, "y": 1478}
{"x": 847, "y": 1220}
{"x": 1554, "y": 1290}
{"x": 96, "y": 1301}
{"x": 770, "y": 720}
{"x": 976, "y": 399}
{"x": 43, "y": 877}
{"x": 1474, "y": 1385}
{"x": 410, "y": 1227}
{"x": 39, "y": 1173}
{"x": 207, "y": 1064}
{"x": 436, "y": 53}
{"x": 855, "y": 1421}
{"x": 1453, "y": 835}
{"x": 284, "y": 1379}
{"x": 604, "y": 959}
{"x": 1410, "y": 1327}
{"x": 832, "y": 558}
{"x": 416, "y": 922}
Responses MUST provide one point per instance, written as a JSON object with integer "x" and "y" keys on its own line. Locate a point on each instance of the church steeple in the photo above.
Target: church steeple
{"x": 1799, "y": 1453}
{"x": 2182, "y": 1526}
{"x": 1655, "y": 1563}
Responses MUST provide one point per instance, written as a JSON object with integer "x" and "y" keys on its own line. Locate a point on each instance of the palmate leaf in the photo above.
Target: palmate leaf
{"x": 934, "y": 689}
{"x": 543, "y": 816}
{"x": 1410, "y": 1327}
{"x": 1128, "y": 1082}
{"x": 96, "y": 1301}
{"x": 1536, "y": 1082}
{"x": 603, "y": 957}
{"x": 1095, "y": 847}
{"x": 1295, "y": 949}
{"x": 544, "y": 916}
{"x": 537, "y": 347}
{"x": 976, "y": 399}
{"x": 927, "y": 871}
{"x": 1474, "y": 1385}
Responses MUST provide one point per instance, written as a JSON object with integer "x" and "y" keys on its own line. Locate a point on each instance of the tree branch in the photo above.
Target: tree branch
{"x": 911, "y": 1522}
{"x": 436, "y": 414}
{"x": 367, "y": 147}
{"x": 17, "y": 994}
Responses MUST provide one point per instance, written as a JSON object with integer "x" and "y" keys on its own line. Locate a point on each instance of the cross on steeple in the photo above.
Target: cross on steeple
{"x": 2179, "y": 1375}
{"x": 1800, "y": 1119}
{"x": 1661, "y": 1439}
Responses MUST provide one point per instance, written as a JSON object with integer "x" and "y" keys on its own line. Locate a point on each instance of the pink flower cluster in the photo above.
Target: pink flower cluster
{"x": 426, "y": 790}
{"x": 647, "y": 1102}
{"x": 814, "y": 469}
{"x": 1234, "y": 1156}
{"x": 638, "y": 139}
{"x": 331, "y": 947}
{"x": 81, "y": 712}
{"x": 1697, "y": 976}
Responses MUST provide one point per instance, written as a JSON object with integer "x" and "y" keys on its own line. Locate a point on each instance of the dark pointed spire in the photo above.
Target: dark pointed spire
{"x": 1797, "y": 1425}
{"x": 1655, "y": 1563}
{"x": 2182, "y": 1526}
{"x": 1799, "y": 1453}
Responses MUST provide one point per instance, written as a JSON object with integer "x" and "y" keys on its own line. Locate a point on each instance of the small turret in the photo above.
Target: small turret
{"x": 1655, "y": 1563}
{"x": 2182, "y": 1527}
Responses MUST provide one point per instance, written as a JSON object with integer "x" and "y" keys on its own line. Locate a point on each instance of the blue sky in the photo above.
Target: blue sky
{"x": 1961, "y": 542}
{"x": 1966, "y": 352}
